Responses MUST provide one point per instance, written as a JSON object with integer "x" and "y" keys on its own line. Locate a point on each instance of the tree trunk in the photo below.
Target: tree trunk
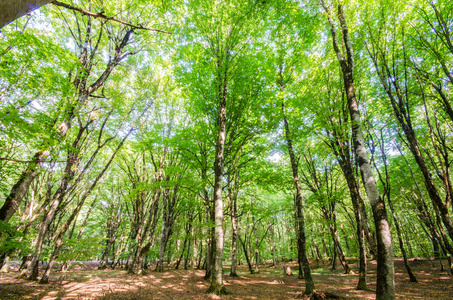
{"x": 247, "y": 258}
{"x": 342, "y": 152}
{"x": 337, "y": 247}
{"x": 11, "y": 10}
{"x": 234, "y": 227}
{"x": 257, "y": 252}
{"x": 387, "y": 193}
{"x": 302, "y": 250}
{"x": 385, "y": 286}
{"x": 164, "y": 233}
{"x": 217, "y": 286}
{"x": 21, "y": 187}
{"x": 23, "y": 184}
{"x": 186, "y": 259}
{"x": 211, "y": 242}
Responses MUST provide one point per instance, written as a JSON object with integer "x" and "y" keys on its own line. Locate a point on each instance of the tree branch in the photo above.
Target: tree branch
{"x": 102, "y": 16}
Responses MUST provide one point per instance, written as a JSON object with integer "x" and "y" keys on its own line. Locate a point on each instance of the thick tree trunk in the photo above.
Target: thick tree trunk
{"x": 385, "y": 286}
{"x": 217, "y": 286}
{"x": 11, "y": 10}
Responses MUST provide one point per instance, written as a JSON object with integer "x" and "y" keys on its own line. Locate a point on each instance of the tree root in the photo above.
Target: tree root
{"x": 218, "y": 290}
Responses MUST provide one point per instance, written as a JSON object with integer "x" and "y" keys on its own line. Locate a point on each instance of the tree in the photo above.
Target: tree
{"x": 385, "y": 273}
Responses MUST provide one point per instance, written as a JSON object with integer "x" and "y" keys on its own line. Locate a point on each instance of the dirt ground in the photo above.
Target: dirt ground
{"x": 269, "y": 283}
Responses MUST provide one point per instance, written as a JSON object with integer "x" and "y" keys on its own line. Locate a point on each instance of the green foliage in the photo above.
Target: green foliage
{"x": 168, "y": 90}
{"x": 13, "y": 240}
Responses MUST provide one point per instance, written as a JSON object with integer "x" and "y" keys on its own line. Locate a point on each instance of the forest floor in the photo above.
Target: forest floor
{"x": 270, "y": 283}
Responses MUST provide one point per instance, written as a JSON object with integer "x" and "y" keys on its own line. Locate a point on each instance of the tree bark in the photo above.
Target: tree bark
{"x": 301, "y": 243}
{"x": 402, "y": 114}
{"x": 234, "y": 228}
{"x": 11, "y": 10}
{"x": 217, "y": 286}
{"x": 336, "y": 241}
{"x": 247, "y": 258}
{"x": 385, "y": 286}
{"x": 21, "y": 187}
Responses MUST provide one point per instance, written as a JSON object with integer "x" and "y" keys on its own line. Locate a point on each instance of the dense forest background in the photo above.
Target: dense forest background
{"x": 202, "y": 133}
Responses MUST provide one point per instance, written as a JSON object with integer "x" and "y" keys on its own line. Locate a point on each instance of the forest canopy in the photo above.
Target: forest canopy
{"x": 139, "y": 133}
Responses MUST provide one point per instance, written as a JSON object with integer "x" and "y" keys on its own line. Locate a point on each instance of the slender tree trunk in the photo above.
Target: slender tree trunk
{"x": 211, "y": 242}
{"x": 247, "y": 258}
{"x": 186, "y": 259}
{"x": 343, "y": 156}
{"x": 257, "y": 252}
{"x": 337, "y": 247}
{"x": 234, "y": 227}
{"x": 274, "y": 258}
{"x": 334, "y": 260}
{"x": 401, "y": 244}
{"x": 402, "y": 114}
{"x": 387, "y": 193}
{"x": 302, "y": 250}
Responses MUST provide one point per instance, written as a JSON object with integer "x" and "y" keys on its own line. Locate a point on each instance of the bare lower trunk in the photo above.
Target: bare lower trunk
{"x": 274, "y": 258}
{"x": 257, "y": 252}
{"x": 186, "y": 259}
{"x": 334, "y": 260}
{"x": 342, "y": 152}
{"x": 338, "y": 250}
{"x": 234, "y": 228}
{"x": 247, "y": 258}
{"x": 163, "y": 241}
{"x": 210, "y": 245}
{"x": 163, "y": 244}
{"x": 105, "y": 256}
